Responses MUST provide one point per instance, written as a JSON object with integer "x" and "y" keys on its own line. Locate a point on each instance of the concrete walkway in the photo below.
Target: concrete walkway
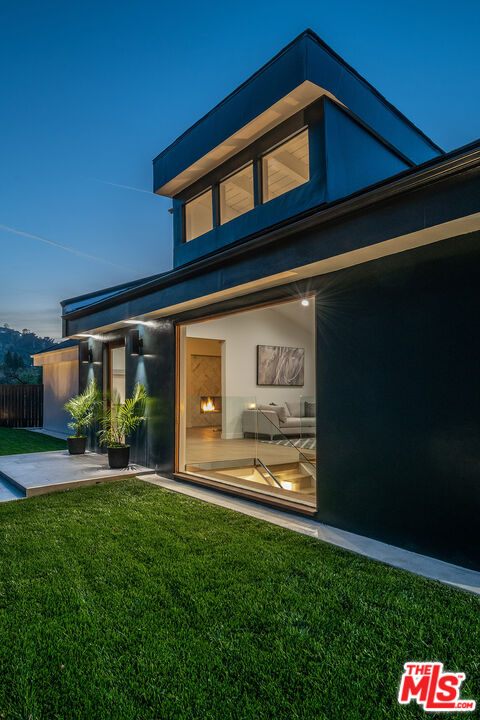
{"x": 45, "y": 472}
{"x": 428, "y": 567}
{"x": 51, "y": 433}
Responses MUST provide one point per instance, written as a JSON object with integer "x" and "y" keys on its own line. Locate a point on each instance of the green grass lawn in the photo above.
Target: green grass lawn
{"x": 14, "y": 441}
{"x": 128, "y": 601}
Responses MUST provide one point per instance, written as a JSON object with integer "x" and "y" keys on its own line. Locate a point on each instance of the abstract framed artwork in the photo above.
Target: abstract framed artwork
{"x": 277, "y": 365}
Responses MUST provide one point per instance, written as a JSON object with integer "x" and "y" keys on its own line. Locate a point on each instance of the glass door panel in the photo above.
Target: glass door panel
{"x": 117, "y": 373}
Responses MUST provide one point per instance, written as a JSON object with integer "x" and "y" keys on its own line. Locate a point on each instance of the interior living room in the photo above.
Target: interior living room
{"x": 247, "y": 413}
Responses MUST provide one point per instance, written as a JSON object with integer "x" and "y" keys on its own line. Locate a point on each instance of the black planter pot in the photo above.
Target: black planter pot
{"x": 118, "y": 457}
{"x": 76, "y": 445}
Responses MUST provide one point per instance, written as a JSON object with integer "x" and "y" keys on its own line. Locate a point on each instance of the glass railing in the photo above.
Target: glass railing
{"x": 291, "y": 441}
{"x": 235, "y": 440}
{"x": 308, "y": 419}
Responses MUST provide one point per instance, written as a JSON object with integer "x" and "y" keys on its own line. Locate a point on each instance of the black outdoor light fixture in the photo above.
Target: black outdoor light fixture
{"x": 86, "y": 353}
{"x": 137, "y": 343}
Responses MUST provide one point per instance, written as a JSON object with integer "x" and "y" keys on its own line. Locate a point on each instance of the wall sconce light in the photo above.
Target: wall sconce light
{"x": 136, "y": 343}
{"x": 86, "y": 353}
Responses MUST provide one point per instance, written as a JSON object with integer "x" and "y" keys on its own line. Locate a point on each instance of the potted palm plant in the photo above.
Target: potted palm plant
{"x": 83, "y": 409}
{"x": 118, "y": 421}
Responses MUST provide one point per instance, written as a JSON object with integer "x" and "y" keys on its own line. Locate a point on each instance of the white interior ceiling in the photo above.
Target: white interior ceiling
{"x": 286, "y": 167}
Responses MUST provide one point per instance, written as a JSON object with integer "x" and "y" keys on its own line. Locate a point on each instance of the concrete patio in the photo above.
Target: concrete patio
{"x": 45, "y": 472}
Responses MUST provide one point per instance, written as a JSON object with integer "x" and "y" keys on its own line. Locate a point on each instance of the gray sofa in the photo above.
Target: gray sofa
{"x": 275, "y": 420}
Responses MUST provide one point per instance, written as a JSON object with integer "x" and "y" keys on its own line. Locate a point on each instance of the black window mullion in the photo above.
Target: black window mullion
{"x": 216, "y": 204}
{"x": 257, "y": 182}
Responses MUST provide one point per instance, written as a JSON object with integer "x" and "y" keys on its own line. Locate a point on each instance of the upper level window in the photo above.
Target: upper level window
{"x": 286, "y": 167}
{"x": 198, "y": 216}
{"x": 236, "y": 194}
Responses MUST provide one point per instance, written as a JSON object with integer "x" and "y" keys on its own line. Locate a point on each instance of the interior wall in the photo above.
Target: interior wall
{"x": 285, "y": 324}
{"x": 204, "y": 378}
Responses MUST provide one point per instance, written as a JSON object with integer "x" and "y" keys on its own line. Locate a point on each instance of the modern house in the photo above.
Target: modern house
{"x": 315, "y": 345}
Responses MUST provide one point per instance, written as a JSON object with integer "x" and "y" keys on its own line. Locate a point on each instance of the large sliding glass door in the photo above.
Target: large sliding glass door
{"x": 247, "y": 411}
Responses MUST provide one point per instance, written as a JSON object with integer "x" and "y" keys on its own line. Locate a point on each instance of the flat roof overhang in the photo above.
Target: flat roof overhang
{"x": 302, "y": 72}
{"x": 416, "y": 209}
{"x": 64, "y": 353}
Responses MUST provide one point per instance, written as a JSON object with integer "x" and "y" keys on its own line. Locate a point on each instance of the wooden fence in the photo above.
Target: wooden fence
{"x": 21, "y": 405}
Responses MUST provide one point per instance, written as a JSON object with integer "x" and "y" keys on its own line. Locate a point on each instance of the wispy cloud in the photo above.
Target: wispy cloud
{"x": 124, "y": 187}
{"x": 61, "y": 246}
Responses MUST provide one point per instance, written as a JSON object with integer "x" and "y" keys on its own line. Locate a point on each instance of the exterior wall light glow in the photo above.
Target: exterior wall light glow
{"x": 86, "y": 353}
{"x": 305, "y": 302}
{"x": 147, "y": 323}
{"x": 137, "y": 343}
{"x": 88, "y": 335}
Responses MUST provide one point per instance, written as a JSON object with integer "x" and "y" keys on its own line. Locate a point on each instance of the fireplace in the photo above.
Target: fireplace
{"x": 211, "y": 404}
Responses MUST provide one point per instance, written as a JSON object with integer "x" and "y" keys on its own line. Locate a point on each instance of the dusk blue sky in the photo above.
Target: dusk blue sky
{"x": 92, "y": 91}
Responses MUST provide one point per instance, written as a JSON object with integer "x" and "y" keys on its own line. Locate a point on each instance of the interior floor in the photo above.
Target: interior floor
{"x": 252, "y": 463}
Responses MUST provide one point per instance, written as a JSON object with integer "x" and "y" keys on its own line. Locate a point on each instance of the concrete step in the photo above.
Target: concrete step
{"x": 9, "y": 491}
